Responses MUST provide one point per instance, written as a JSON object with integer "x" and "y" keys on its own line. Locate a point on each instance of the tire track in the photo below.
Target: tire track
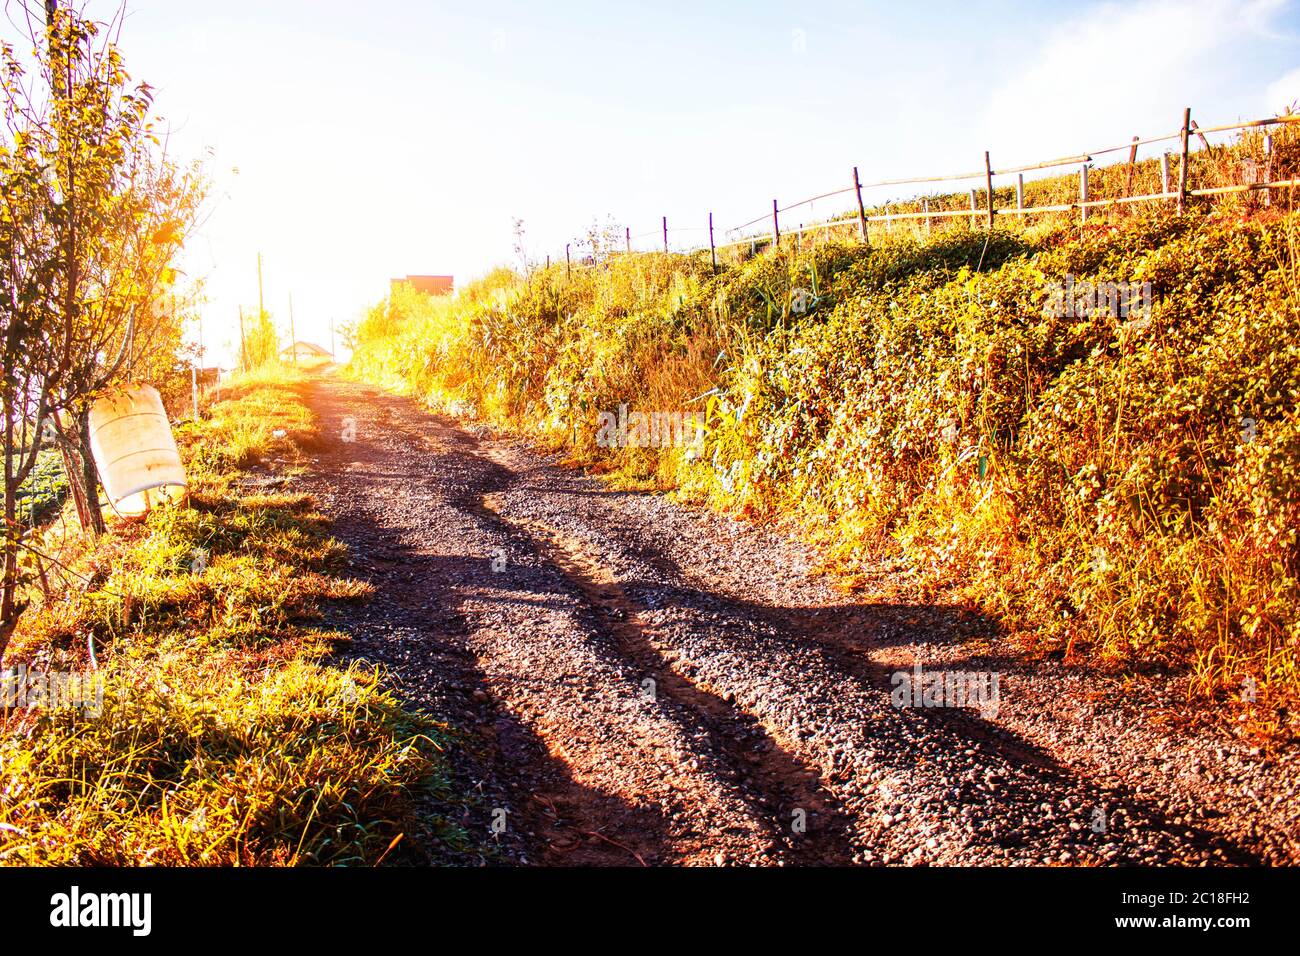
{"x": 649, "y": 685}
{"x": 807, "y": 823}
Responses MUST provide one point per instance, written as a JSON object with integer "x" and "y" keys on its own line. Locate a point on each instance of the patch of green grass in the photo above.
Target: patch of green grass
{"x": 226, "y": 736}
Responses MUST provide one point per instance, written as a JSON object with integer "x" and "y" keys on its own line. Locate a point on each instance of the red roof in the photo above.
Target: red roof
{"x": 432, "y": 285}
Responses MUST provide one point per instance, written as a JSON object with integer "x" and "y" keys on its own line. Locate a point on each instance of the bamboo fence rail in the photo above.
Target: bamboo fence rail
{"x": 859, "y": 220}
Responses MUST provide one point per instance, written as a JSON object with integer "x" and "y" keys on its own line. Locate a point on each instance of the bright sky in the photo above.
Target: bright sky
{"x": 378, "y": 139}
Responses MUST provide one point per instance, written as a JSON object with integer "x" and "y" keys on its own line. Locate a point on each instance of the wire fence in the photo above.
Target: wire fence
{"x": 1175, "y": 185}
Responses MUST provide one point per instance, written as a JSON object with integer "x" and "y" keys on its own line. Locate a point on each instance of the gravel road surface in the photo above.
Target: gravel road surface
{"x": 641, "y": 683}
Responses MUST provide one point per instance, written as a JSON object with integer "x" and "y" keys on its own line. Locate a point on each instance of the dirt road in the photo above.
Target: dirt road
{"x": 647, "y": 684}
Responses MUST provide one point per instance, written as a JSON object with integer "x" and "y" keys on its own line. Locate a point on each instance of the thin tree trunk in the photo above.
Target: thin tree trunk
{"x": 10, "y": 609}
{"x": 89, "y": 473}
{"x": 75, "y": 474}
{"x": 74, "y": 445}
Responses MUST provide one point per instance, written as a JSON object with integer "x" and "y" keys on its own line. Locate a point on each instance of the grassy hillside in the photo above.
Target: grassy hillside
{"x": 1125, "y": 490}
{"x": 225, "y": 737}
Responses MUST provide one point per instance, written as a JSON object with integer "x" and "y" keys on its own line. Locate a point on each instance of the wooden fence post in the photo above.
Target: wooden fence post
{"x": 1083, "y": 193}
{"x": 1268, "y": 169}
{"x": 1182, "y": 165}
{"x": 1132, "y": 166}
{"x": 1164, "y": 172}
{"x": 627, "y": 237}
{"x": 665, "y": 234}
{"x": 988, "y": 184}
{"x": 862, "y": 210}
{"x": 776, "y": 227}
{"x": 568, "y": 264}
{"x": 925, "y": 208}
{"x": 1020, "y": 190}
{"x": 713, "y": 251}
{"x": 972, "y": 207}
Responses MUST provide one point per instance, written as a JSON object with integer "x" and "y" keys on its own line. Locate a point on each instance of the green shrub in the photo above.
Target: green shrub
{"x": 1085, "y": 478}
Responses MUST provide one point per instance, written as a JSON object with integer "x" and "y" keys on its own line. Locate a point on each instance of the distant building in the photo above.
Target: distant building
{"x": 430, "y": 285}
{"x": 303, "y": 350}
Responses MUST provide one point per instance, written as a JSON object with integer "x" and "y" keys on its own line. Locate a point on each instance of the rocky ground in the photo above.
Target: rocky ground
{"x": 643, "y": 683}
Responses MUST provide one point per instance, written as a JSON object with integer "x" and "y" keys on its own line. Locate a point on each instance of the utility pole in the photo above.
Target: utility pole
{"x": 243, "y": 349}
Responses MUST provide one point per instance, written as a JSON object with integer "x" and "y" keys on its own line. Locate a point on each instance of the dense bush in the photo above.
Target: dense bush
{"x": 1122, "y": 487}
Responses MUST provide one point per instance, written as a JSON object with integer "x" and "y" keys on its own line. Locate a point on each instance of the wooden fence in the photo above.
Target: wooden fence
{"x": 860, "y": 221}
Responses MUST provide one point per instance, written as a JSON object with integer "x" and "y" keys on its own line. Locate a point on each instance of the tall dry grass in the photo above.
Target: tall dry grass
{"x": 1087, "y": 480}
